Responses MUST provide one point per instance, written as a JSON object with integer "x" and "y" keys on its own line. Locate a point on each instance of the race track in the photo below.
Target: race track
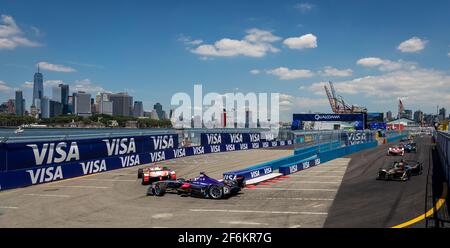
{"x": 340, "y": 193}
{"x": 363, "y": 201}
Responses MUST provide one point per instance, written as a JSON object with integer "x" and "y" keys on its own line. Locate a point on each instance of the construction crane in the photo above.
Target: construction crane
{"x": 338, "y": 105}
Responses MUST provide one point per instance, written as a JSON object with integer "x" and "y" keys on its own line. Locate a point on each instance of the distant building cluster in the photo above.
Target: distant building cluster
{"x": 79, "y": 103}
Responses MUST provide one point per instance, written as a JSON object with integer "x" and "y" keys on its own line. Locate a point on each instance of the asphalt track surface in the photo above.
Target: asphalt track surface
{"x": 363, "y": 201}
{"x": 317, "y": 197}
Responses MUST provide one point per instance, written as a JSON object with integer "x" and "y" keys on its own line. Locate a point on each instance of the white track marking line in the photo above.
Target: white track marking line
{"x": 108, "y": 180}
{"x": 76, "y": 186}
{"x": 8, "y": 207}
{"x": 46, "y": 195}
{"x": 243, "y": 223}
{"x": 299, "y": 199}
{"x": 311, "y": 176}
{"x": 256, "y": 211}
{"x": 318, "y": 182}
{"x": 287, "y": 189}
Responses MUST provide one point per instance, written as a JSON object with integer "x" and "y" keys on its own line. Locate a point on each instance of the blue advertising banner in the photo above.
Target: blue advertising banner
{"x": 228, "y": 138}
{"x": 357, "y": 119}
{"x": 357, "y": 137}
{"x": 30, "y": 154}
{"x": 74, "y": 168}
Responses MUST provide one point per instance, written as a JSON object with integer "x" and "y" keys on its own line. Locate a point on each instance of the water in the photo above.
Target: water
{"x": 8, "y": 135}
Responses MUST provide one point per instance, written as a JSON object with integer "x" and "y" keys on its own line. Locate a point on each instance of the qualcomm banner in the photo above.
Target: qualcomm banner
{"x": 31, "y": 154}
{"x": 228, "y": 138}
{"x": 356, "y": 119}
{"x": 74, "y": 168}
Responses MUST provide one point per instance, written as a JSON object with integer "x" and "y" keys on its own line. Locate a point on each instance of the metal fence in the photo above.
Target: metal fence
{"x": 443, "y": 146}
{"x": 332, "y": 138}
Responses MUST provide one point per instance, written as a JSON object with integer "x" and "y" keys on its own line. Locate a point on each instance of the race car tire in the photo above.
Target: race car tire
{"x": 140, "y": 173}
{"x": 215, "y": 192}
{"x": 159, "y": 189}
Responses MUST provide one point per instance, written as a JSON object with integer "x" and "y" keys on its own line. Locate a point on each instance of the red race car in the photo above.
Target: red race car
{"x": 396, "y": 150}
{"x": 156, "y": 173}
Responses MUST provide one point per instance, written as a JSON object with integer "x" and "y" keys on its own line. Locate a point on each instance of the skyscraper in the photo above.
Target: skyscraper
{"x": 64, "y": 98}
{"x": 122, "y": 104}
{"x": 138, "y": 109}
{"x": 158, "y": 108}
{"x": 20, "y": 103}
{"x": 38, "y": 90}
{"x": 442, "y": 114}
{"x": 418, "y": 116}
{"x": 389, "y": 116}
{"x": 82, "y": 103}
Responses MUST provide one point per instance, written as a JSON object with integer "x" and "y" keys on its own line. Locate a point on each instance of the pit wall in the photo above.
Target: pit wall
{"x": 55, "y": 172}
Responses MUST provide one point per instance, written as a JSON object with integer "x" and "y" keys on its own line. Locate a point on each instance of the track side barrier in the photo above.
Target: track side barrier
{"x": 55, "y": 172}
{"x": 395, "y": 138}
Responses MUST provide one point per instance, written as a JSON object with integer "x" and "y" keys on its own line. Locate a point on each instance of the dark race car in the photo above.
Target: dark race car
{"x": 396, "y": 150}
{"x": 410, "y": 147}
{"x": 400, "y": 171}
{"x": 155, "y": 173}
{"x": 201, "y": 186}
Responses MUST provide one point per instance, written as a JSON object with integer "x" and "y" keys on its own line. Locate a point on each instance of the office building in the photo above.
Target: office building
{"x": 122, "y": 104}
{"x": 38, "y": 90}
{"x": 442, "y": 114}
{"x": 389, "y": 116}
{"x": 19, "y": 103}
{"x": 138, "y": 109}
{"x": 418, "y": 116}
{"x": 45, "y": 107}
{"x": 158, "y": 108}
{"x": 82, "y": 103}
{"x": 55, "y": 108}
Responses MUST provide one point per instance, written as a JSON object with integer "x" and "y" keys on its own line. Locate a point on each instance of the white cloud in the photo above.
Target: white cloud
{"x": 86, "y": 85}
{"x": 52, "y": 83}
{"x": 255, "y": 71}
{"x": 284, "y": 73}
{"x": 302, "y": 42}
{"x": 333, "y": 72}
{"x": 385, "y": 64}
{"x": 189, "y": 41}
{"x": 448, "y": 54}
{"x": 426, "y": 86}
{"x": 4, "y": 87}
{"x": 257, "y": 43}
{"x": 412, "y": 45}
{"x": 299, "y": 103}
{"x": 28, "y": 85}
{"x": 54, "y": 67}
{"x": 11, "y": 36}
{"x": 304, "y": 7}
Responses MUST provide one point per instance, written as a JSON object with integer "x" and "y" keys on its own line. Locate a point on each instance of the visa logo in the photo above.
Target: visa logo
{"x": 215, "y": 148}
{"x": 55, "y": 153}
{"x": 157, "y": 156}
{"x": 130, "y": 160}
{"x": 161, "y": 142}
{"x": 236, "y": 138}
{"x": 230, "y": 147}
{"x": 179, "y": 153}
{"x": 214, "y": 139}
{"x": 120, "y": 146}
{"x": 255, "y": 137}
{"x": 255, "y": 145}
{"x": 44, "y": 175}
{"x": 244, "y": 146}
{"x": 198, "y": 150}
{"x": 93, "y": 166}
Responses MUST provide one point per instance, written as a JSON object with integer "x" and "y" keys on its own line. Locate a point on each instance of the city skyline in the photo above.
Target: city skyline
{"x": 269, "y": 47}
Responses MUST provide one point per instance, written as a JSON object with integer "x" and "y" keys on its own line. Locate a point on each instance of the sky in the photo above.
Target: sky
{"x": 374, "y": 52}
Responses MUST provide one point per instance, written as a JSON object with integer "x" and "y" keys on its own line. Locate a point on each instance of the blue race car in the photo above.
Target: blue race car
{"x": 410, "y": 147}
{"x": 202, "y": 186}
